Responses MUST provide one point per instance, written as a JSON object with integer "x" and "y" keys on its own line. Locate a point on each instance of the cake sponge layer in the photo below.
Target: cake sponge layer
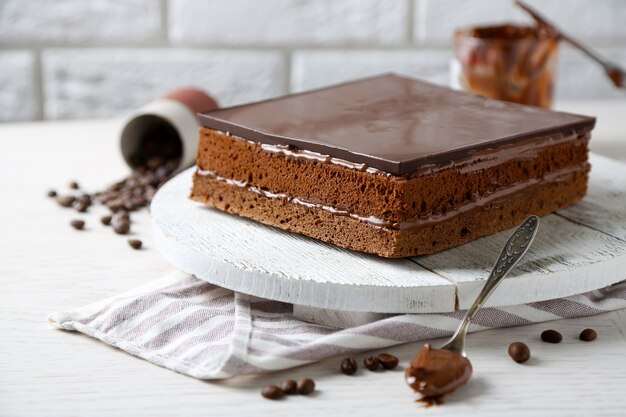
{"x": 431, "y": 191}
{"x": 497, "y": 214}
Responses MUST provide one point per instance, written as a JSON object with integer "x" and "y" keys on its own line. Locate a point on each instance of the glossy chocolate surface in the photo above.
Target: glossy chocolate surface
{"x": 391, "y": 123}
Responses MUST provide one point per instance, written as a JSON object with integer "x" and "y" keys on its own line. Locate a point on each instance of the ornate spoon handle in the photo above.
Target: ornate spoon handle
{"x": 513, "y": 251}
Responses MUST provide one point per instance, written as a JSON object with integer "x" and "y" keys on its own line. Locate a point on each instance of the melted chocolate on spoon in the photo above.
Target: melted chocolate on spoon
{"x": 436, "y": 372}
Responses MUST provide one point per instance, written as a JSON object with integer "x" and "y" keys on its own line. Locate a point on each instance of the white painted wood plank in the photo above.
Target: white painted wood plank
{"x": 565, "y": 259}
{"x": 604, "y": 207}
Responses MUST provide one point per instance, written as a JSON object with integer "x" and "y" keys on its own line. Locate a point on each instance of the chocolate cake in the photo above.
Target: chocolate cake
{"x": 390, "y": 165}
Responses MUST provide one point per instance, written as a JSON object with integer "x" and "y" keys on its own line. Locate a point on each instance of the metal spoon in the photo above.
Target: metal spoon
{"x": 434, "y": 373}
{"x": 613, "y": 71}
{"x": 515, "y": 248}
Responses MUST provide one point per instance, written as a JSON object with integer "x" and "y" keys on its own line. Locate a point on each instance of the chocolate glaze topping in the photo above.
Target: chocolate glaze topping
{"x": 436, "y": 372}
{"x": 391, "y": 123}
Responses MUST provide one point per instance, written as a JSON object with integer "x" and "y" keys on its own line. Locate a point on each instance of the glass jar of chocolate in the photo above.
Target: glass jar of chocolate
{"x": 507, "y": 62}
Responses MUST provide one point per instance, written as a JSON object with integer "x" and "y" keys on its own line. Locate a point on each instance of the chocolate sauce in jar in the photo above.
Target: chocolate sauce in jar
{"x": 508, "y": 62}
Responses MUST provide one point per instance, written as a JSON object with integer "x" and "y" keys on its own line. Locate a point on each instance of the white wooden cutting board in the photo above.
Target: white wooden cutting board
{"x": 578, "y": 249}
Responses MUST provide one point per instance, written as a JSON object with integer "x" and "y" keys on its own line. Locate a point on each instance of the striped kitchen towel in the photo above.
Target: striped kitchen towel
{"x": 209, "y": 332}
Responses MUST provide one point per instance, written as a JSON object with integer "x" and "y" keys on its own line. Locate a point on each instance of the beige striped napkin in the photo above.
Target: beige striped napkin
{"x": 208, "y": 332}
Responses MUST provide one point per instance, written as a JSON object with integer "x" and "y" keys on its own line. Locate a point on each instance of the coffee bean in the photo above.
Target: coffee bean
{"x": 129, "y": 194}
{"x": 121, "y": 228}
{"x": 117, "y": 186}
{"x": 387, "y": 361}
{"x": 80, "y": 206}
{"x": 104, "y": 198}
{"x": 306, "y": 386}
{"x": 115, "y": 205}
{"x": 155, "y": 162}
{"x": 551, "y": 336}
{"x": 588, "y": 335}
{"x": 85, "y": 199}
{"x": 128, "y": 205}
{"x": 137, "y": 190}
{"x": 139, "y": 201}
{"x": 372, "y": 363}
{"x": 121, "y": 216}
{"x": 289, "y": 387}
{"x": 66, "y": 200}
{"x": 77, "y": 224}
{"x": 349, "y": 366}
{"x": 519, "y": 352}
{"x": 135, "y": 243}
{"x": 272, "y": 392}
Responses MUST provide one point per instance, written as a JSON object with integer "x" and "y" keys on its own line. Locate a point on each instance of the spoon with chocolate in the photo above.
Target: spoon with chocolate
{"x": 613, "y": 71}
{"x": 435, "y": 372}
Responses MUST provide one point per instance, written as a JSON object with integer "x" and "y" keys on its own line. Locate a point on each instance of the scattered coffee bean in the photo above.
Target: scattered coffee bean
{"x": 121, "y": 216}
{"x": 272, "y": 392}
{"x": 78, "y": 224}
{"x": 137, "y": 190}
{"x": 85, "y": 199}
{"x": 551, "y": 336}
{"x": 387, "y": 361}
{"x": 132, "y": 193}
{"x": 121, "y": 228}
{"x": 306, "y": 386}
{"x": 66, "y": 200}
{"x": 135, "y": 243}
{"x": 115, "y": 205}
{"x": 519, "y": 352}
{"x": 372, "y": 363}
{"x": 349, "y": 366}
{"x": 588, "y": 335}
{"x": 80, "y": 206}
{"x": 289, "y": 387}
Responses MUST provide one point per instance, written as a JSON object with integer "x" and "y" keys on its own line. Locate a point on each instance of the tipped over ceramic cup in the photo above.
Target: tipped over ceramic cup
{"x": 165, "y": 130}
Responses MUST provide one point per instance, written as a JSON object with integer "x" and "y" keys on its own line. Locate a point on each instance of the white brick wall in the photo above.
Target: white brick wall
{"x": 594, "y": 21}
{"x": 580, "y": 78}
{"x": 106, "y": 82}
{"x": 79, "y": 22}
{"x": 288, "y": 22}
{"x": 17, "y": 90}
{"x": 311, "y": 69}
{"x": 100, "y": 58}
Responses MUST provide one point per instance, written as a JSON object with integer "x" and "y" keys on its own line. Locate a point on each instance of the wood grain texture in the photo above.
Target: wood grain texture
{"x": 46, "y": 266}
{"x": 566, "y": 258}
{"x": 604, "y": 208}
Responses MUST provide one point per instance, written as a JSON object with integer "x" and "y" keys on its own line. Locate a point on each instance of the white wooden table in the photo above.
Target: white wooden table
{"x": 46, "y": 266}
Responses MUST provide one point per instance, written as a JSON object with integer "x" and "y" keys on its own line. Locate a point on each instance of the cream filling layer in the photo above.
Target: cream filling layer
{"x": 503, "y": 194}
{"x": 290, "y": 152}
{"x": 480, "y": 159}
